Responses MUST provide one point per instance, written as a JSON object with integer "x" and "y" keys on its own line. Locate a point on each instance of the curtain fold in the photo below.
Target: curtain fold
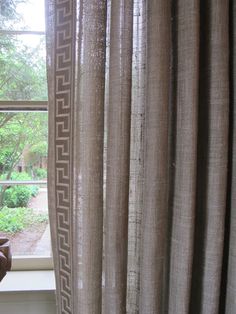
{"x": 136, "y": 155}
{"x": 231, "y": 282}
{"x": 76, "y": 117}
{"x": 88, "y": 127}
{"x": 138, "y": 204}
{"x": 155, "y": 197}
{"x": 118, "y": 151}
{"x": 186, "y": 66}
{"x": 212, "y": 157}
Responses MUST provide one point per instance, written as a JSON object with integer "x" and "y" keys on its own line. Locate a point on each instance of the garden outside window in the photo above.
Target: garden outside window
{"x": 24, "y": 133}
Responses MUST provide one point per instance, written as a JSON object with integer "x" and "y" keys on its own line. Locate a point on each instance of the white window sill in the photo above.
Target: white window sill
{"x": 21, "y": 281}
{"x": 32, "y": 263}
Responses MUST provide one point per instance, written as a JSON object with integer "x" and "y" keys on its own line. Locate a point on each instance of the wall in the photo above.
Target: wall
{"x": 27, "y": 302}
{"x": 28, "y": 292}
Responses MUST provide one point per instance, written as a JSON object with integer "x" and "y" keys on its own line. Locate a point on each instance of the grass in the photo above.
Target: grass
{"x": 13, "y": 220}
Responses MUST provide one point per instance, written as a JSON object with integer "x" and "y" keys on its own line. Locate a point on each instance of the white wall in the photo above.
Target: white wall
{"x": 28, "y": 292}
{"x": 27, "y": 302}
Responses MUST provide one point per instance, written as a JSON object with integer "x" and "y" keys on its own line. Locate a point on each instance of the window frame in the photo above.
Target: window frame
{"x": 27, "y": 262}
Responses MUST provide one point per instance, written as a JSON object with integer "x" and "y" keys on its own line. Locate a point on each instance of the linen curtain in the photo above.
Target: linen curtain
{"x": 142, "y": 155}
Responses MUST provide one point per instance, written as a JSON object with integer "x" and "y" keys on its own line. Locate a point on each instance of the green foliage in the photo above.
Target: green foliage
{"x": 22, "y": 77}
{"x": 16, "y": 219}
{"x": 22, "y": 133}
{"x": 23, "y": 71}
{"x": 5, "y": 160}
{"x": 37, "y": 152}
{"x": 13, "y": 220}
{"x": 20, "y": 176}
{"x": 22, "y": 58}
{"x": 8, "y": 11}
{"x": 17, "y": 196}
{"x": 34, "y": 190}
{"x": 40, "y": 173}
{"x": 40, "y": 148}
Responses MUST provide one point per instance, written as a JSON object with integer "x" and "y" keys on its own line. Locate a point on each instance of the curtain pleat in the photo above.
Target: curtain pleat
{"x": 77, "y": 114}
{"x": 231, "y": 278}
{"x": 59, "y": 165}
{"x": 136, "y": 155}
{"x": 185, "y": 59}
{"x": 212, "y": 157}
{"x": 154, "y": 218}
{"x": 118, "y": 152}
{"x": 88, "y": 158}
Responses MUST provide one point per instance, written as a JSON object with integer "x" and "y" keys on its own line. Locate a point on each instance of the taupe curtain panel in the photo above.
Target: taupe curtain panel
{"x": 142, "y": 155}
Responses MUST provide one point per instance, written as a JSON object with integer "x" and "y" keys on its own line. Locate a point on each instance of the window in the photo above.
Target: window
{"x": 23, "y": 132}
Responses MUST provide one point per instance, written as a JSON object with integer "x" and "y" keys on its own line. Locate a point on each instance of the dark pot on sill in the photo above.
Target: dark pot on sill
{"x": 5, "y": 257}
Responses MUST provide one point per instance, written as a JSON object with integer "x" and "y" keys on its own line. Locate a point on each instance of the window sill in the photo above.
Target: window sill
{"x": 30, "y": 281}
{"x": 32, "y": 263}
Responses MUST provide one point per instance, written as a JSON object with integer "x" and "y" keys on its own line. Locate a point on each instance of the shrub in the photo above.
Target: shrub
{"x": 13, "y": 220}
{"x": 40, "y": 173}
{"x": 34, "y": 189}
{"x": 20, "y": 176}
{"x": 16, "y": 176}
{"x": 19, "y": 195}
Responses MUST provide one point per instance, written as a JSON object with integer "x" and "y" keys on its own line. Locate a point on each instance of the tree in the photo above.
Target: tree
{"x": 20, "y": 133}
{"x": 23, "y": 70}
{"x": 8, "y": 12}
{"x": 22, "y": 59}
{"x": 22, "y": 77}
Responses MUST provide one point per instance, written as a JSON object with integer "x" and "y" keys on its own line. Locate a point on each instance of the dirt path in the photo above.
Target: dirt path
{"x": 40, "y": 202}
{"x": 25, "y": 242}
{"x": 34, "y": 240}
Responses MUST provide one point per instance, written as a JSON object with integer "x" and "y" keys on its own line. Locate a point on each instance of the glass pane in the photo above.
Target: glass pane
{"x": 23, "y": 157}
{"x": 22, "y": 15}
{"x": 23, "y": 141}
{"x": 24, "y": 219}
{"x": 23, "y": 67}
